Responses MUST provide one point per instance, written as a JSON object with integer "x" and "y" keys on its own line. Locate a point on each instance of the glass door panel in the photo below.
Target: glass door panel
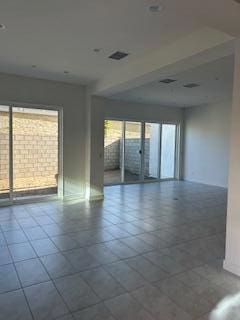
{"x": 113, "y": 151}
{"x": 168, "y": 151}
{"x": 35, "y": 152}
{"x": 152, "y": 151}
{"x": 132, "y": 151}
{"x": 4, "y": 154}
{"x": 139, "y": 151}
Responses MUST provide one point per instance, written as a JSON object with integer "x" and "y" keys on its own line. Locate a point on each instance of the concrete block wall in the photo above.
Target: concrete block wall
{"x": 112, "y": 154}
{"x": 35, "y": 150}
{"x": 4, "y": 144}
{"x": 133, "y": 158}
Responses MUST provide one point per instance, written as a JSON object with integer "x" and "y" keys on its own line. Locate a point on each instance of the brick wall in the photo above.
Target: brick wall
{"x": 4, "y": 144}
{"x": 35, "y": 151}
{"x": 111, "y": 149}
{"x": 112, "y": 155}
{"x": 132, "y": 156}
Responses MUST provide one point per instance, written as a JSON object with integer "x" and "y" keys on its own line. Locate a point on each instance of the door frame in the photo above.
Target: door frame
{"x": 60, "y": 193}
{"x": 177, "y": 158}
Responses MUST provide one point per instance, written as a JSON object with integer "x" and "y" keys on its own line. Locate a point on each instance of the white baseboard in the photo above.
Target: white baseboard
{"x": 95, "y": 197}
{"x": 69, "y": 197}
{"x": 233, "y": 268}
{"x": 207, "y": 183}
{"x": 86, "y": 197}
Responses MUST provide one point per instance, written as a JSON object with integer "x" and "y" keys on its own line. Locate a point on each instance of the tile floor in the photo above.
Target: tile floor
{"x": 151, "y": 251}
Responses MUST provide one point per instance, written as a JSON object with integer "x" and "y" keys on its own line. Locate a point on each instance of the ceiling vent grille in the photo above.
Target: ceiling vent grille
{"x": 118, "y": 55}
{"x": 167, "y": 81}
{"x": 191, "y": 85}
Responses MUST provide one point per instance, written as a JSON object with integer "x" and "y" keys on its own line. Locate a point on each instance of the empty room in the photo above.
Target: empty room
{"x": 120, "y": 160}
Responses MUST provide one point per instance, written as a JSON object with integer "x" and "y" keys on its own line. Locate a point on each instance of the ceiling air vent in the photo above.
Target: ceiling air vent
{"x": 167, "y": 81}
{"x": 118, "y": 55}
{"x": 191, "y": 85}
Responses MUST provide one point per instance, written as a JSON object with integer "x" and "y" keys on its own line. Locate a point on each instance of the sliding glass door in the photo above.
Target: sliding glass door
{"x": 29, "y": 153}
{"x": 113, "y": 147}
{"x": 139, "y": 151}
{"x": 4, "y": 154}
{"x": 168, "y": 151}
{"x": 152, "y": 143}
{"x": 35, "y": 152}
{"x": 132, "y": 151}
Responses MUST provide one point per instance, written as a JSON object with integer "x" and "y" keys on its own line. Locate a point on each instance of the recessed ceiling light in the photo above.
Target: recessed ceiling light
{"x": 155, "y": 8}
{"x": 167, "y": 80}
{"x": 2, "y": 26}
{"x": 191, "y": 85}
{"x": 118, "y": 55}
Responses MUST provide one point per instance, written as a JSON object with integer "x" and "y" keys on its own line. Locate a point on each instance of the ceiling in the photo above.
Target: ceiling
{"x": 60, "y": 35}
{"x": 215, "y": 81}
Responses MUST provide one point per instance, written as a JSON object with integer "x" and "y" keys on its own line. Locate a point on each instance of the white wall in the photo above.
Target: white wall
{"x": 232, "y": 257}
{"x": 206, "y": 144}
{"x": 101, "y": 109}
{"x": 72, "y": 99}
